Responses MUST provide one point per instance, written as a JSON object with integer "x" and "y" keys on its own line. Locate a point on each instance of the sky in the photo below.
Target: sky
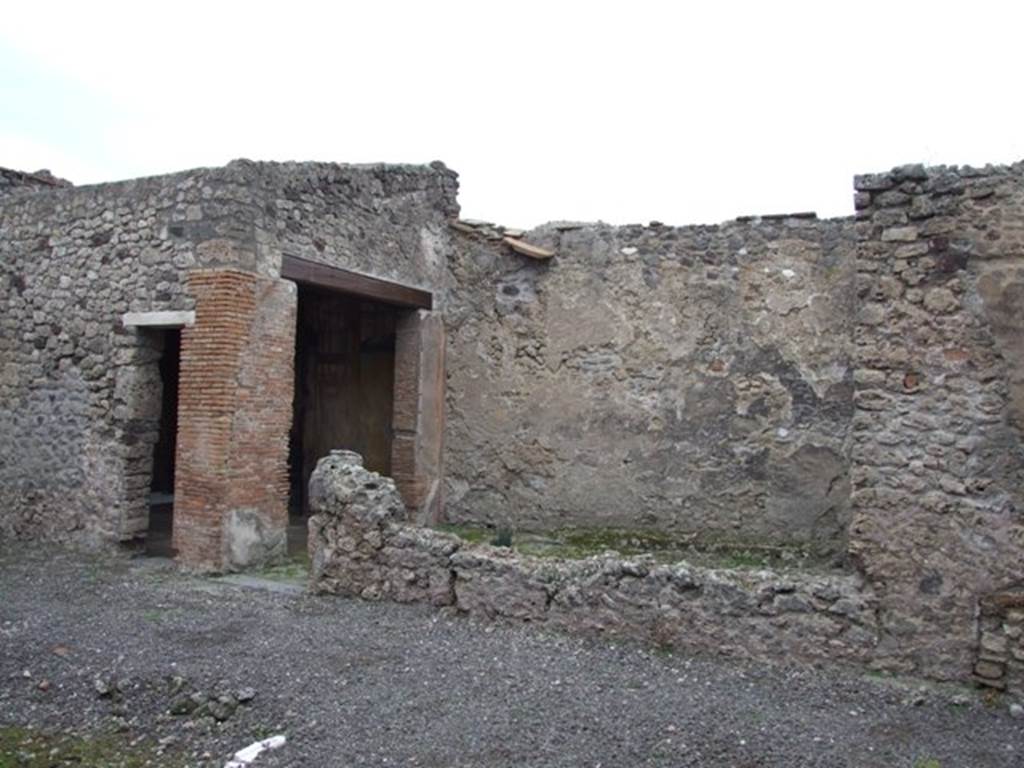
{"x": 623, "y": 112}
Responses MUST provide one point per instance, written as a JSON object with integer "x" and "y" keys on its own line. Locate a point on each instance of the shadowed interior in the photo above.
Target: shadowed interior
{"x": 344, "y": 384}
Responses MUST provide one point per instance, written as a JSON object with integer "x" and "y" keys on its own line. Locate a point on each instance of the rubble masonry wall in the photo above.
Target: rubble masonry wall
{"x": 695, "y": 380}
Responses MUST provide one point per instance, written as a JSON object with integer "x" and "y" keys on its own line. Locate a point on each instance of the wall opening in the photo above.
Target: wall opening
{"x": 344, "y": 389}
{"x": 161, "y": 488}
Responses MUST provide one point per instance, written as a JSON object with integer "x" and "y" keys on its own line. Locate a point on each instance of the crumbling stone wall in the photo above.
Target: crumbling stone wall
{"x": 361, "y": 546}
{"x": 80, "y": 394}
{"x": 938, "y": 455}
{"x": 694, "y": 380}
{"x": 389, "y": 221}
{"x": 12, "y": 181}
{"x": 851, "y": 386}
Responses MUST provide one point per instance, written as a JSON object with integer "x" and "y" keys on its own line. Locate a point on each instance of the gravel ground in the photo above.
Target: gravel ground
{"x": 90, "y": 644}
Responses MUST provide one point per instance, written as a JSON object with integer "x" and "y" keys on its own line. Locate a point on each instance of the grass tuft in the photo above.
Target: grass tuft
{"x": 581, "y": 543}
{"x": 29, "y": 748}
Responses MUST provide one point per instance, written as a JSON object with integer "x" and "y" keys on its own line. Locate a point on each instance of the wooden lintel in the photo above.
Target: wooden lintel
{"x": 306, "y": 272}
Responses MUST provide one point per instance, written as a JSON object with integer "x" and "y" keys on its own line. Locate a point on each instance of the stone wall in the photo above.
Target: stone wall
{"x": 79, "y": 393}
{"x": 854, "y": 387}
{"x": 12, "y": 181}
{"x": 389, "y": 221}
{"x": 360, "y": 546}
{"x": 695, "y": 380}
{"x": 938, "y": 455}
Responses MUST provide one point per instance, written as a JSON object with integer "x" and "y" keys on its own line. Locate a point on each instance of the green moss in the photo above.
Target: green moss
{"x": 294, "y": 570}
{"x": 626, "y": 542}
{"x": 580, "y": 543}
{"x": 29, "y": 748}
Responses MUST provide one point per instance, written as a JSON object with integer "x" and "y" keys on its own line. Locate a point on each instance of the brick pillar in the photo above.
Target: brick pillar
{"x": 418, "y": 417}
{"x": 234, "y": 413}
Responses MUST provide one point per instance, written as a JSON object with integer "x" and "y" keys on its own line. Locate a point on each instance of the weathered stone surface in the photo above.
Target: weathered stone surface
{"x": 13, "y": 182}
{"x": 80, "y": 394}
{"x": 990, "y": 670}
{"x": 853, "y": 386}
{"x": 390, "y": 221}
{"x": 691, "y": 379}
{"x": 360, "y": 547}
{"x": 356, "y": 546}
{"x": 938, "y": 455}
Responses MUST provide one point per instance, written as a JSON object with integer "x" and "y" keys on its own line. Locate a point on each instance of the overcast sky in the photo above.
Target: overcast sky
{"x": 625, "y": 112}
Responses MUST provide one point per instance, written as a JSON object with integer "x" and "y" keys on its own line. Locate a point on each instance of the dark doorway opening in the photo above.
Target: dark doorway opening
{"x": 161, "y": 489}
{"x": 344, "y": 389}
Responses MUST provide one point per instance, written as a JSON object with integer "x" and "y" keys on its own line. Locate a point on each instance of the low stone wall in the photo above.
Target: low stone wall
{"x": 360, "y": 546}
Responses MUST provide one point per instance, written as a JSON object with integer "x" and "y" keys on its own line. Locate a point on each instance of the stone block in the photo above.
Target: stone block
{"x": 994, "y": 643}
{"x": 873, "y": 182}
{"x": 989, "y": 670}
{"x": 899, "y": 234}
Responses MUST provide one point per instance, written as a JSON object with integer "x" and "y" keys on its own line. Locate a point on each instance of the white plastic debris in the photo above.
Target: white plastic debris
{"x": 244, "y": 757}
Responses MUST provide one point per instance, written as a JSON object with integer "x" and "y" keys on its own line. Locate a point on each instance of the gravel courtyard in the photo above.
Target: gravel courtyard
{"x": 178, "y": 670}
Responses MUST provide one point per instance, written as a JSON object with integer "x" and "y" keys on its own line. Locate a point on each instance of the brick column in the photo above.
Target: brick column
{"x": 418, "y": 417}
{"x": 234, "y": 413}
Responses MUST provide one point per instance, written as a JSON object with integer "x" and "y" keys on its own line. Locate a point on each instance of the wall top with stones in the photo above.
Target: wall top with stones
{"x": 12, "y": 181}
{"x": 389, "y": 221}
{"x": 936, "y": 178}
{"x": 954, "y": 215}
{"x": 64, "y": 196}
{"x": 889, "y": 188}
{"x": 730, "y": 243}
{"x": 772, "y": 225}
{"x": 374, "y": 179}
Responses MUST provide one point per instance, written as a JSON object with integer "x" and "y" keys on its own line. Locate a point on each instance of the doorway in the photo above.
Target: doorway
{"x": 161, "y": 489}
{"x": 344, "y": 389}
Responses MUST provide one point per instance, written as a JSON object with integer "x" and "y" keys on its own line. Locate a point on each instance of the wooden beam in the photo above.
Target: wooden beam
{"x": 306, "y": 272}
